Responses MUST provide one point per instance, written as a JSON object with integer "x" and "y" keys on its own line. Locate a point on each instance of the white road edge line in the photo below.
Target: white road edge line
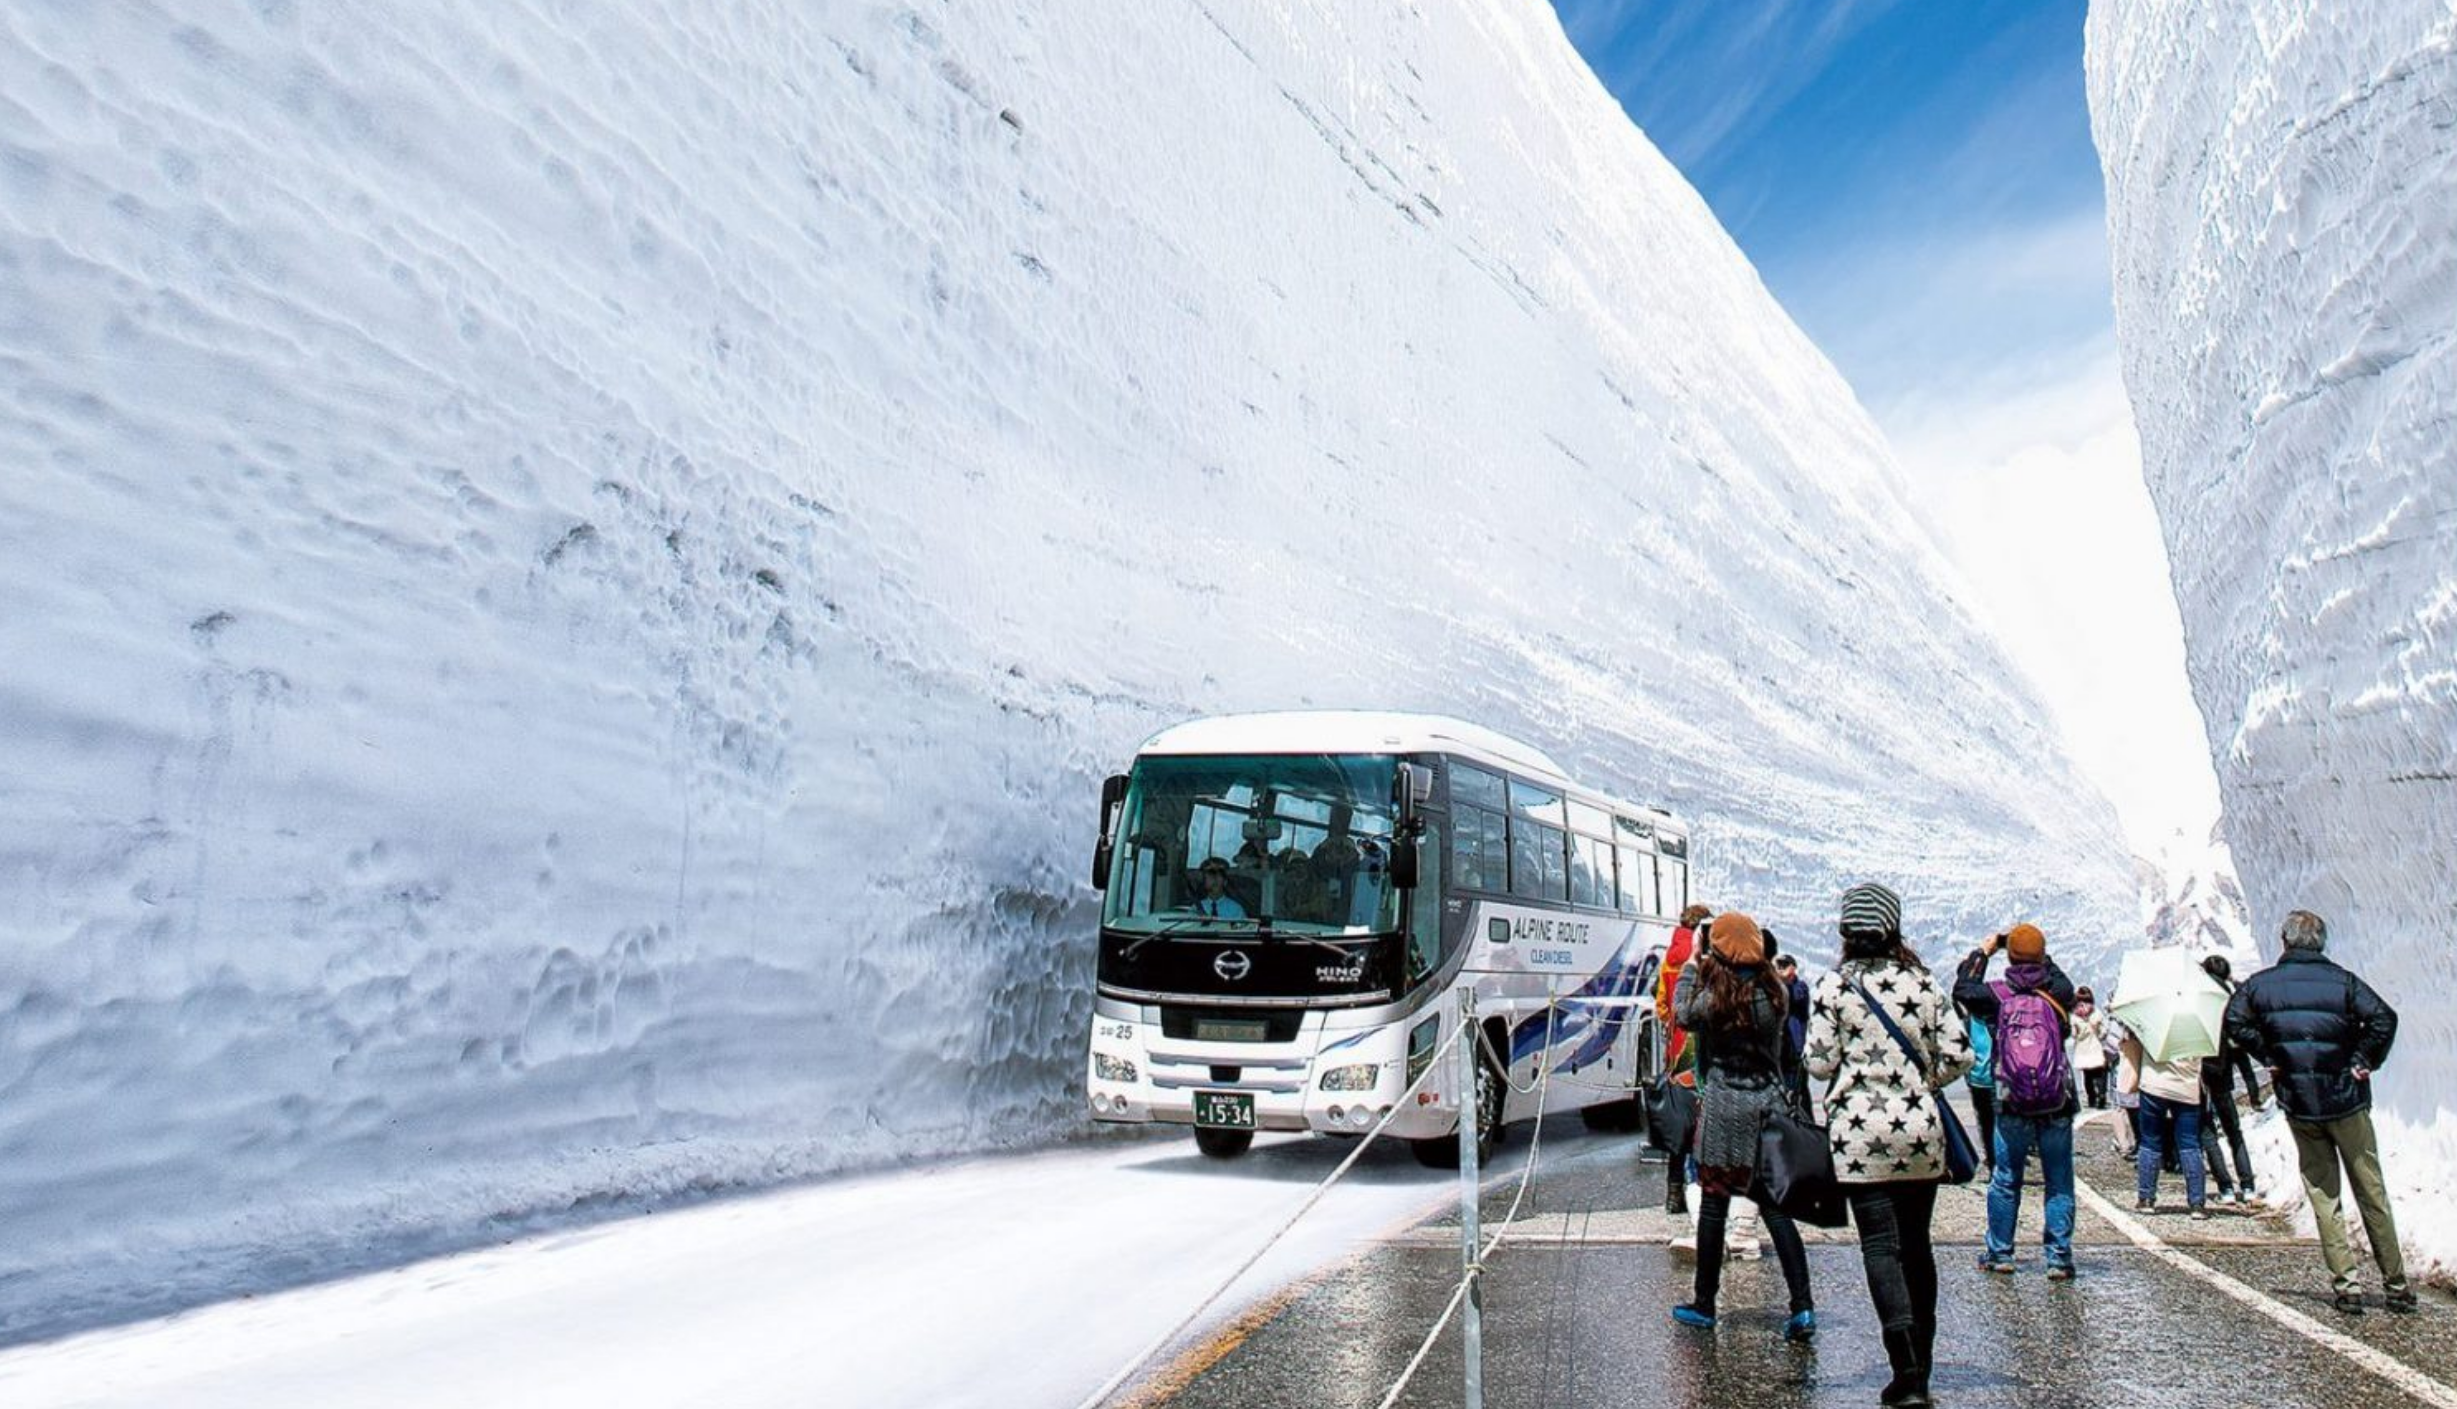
{"x": 2387, "y": 1367}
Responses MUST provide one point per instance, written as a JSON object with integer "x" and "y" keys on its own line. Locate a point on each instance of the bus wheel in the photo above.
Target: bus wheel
{"x": 1222, "y": 1144}
{"x": 1442, "y": 1151}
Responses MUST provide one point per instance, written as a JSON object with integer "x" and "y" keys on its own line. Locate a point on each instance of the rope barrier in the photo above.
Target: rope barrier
{"x": 1474, "y": 1270}
{"x": 1110, "y": 1386}
{"x": 1535, "y": 1146}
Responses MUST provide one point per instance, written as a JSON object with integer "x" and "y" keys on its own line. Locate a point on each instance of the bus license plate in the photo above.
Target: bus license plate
{"x": 1224, "y": 1110}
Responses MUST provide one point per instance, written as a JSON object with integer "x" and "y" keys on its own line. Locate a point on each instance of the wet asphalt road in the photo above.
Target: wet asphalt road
{"x": 1576, "y": 1315}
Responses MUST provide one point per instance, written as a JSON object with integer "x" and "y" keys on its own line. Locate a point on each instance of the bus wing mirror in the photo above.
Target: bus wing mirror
{"x": 1411, "y": 788}
{"x": 1113, "y": 793}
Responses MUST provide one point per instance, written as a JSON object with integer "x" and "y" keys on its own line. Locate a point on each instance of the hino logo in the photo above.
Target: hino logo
{"x": 1334, "y": 973}
{"x": 1232, "y": 964}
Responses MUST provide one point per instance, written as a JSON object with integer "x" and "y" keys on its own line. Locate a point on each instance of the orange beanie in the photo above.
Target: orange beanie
{"x": 2025, "y": 945}
{"x": 1736, "y": 940}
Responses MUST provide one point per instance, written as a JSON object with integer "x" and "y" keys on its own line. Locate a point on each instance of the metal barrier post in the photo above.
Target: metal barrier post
{"x": 1471, "y": 1326}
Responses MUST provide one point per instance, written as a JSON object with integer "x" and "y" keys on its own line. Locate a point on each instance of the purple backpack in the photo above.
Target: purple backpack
{"x": 2032, "y": 1074}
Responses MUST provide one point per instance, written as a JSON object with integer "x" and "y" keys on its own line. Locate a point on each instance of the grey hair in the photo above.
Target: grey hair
{"x": 2304, "y": 930}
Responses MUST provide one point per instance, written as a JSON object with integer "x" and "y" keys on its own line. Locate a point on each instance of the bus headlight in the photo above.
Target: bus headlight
{"x": 1359, "y": 1077}
{"x": 1109, "y": 1068}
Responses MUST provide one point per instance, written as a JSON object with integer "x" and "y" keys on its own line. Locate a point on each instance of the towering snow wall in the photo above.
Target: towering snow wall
{"x": 2282, "y": 193}
{"x": 572, "y": 573}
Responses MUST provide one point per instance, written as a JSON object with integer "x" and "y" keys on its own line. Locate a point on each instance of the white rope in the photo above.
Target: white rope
{"x": 1535, "y": 1147}
{"x": 1110, "y": 1386}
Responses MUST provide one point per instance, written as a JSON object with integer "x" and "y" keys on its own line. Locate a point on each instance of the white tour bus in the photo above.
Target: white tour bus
{"x": 1294, "y": 900}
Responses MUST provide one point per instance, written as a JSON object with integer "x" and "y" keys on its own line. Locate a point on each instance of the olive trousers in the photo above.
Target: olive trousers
{"x": 2320, "y": 1148}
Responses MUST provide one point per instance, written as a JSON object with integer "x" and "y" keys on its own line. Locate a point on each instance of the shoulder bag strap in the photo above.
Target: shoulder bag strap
{"x": 1892, "y": 1029}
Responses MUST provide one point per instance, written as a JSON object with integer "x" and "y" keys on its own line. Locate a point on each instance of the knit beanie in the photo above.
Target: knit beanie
{"x": 2025, "y": 945}
{"x": 1872, "y": 909}
{"x": 1736, "y": 940}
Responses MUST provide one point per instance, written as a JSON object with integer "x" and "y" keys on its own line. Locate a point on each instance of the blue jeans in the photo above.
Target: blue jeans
{"x": 2163, "y": 1120}
{"x": 2016, "y": 1137}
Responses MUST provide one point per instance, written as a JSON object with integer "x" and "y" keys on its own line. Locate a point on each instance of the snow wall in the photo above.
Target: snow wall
{"x": 2282, "y": 203}
{"x": 572, "y": 575}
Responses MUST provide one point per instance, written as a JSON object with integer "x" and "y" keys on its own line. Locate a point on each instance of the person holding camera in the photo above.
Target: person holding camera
{"x": 2028, "y": 1029}
{"x": 1733, "y": 1007}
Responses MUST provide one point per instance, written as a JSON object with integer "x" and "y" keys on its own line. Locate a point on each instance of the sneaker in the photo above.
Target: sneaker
{"x": 2145, "y": 1206}
{"x": 2201, "y": 1213}
{"x": 1692, "y": 1317}
{"x": 1998, "y": 1265}
{"x": 1676, "y": 1202}
{"x": 2349, "y": 1303}
{"x": 1802, "y": 1326}
{"x": 2060, "y": 1272}
{"x": 2404, "y": 1303}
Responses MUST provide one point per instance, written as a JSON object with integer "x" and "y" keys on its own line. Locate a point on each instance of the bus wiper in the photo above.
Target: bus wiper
{"x": 1197, "y": 918}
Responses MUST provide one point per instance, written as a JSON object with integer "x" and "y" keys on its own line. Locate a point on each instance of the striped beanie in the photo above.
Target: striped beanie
{"x": 1871, "y": 908}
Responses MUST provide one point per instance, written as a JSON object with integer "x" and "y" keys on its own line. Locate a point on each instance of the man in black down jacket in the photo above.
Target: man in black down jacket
{"x": 2323, "y": 1032}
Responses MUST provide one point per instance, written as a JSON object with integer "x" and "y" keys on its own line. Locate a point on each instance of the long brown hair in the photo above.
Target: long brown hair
{"x": 1731, "y": 994}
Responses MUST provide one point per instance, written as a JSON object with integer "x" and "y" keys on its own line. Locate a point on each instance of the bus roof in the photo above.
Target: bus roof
{"x": 1367, "y": 731}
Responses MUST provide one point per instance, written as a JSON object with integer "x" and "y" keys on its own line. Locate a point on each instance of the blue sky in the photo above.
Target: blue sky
{"x": 1915, "y": 181}
{"x": 1914, "y": 178}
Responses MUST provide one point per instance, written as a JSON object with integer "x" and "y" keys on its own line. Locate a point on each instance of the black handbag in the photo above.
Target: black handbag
{"x": 1795, "y": 1171}
{"x": 1961, "y": 1156}
{"x": 1672, "y": 1113}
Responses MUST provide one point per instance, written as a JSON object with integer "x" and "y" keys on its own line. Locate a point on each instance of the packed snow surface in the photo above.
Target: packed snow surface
{"x": 2282, "y": 201}
{"x": 572, "y": 572}
{"x": 920, "y": 1289}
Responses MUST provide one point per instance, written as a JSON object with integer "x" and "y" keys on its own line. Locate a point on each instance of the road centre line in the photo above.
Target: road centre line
{"x": 2380, "y": 1363}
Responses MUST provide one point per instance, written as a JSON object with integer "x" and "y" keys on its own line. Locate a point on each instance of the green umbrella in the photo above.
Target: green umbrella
{"x": 2174, "y": 1008}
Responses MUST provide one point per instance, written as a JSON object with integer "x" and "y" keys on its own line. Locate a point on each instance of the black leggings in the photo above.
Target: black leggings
{"x": 1713, "y": 1210}
{"x": 1983, "y": 1105}
{"x": 2095, "y": 1079}
{"x": 2219, "y": 1120}
{"x": 1893, "y": 1221}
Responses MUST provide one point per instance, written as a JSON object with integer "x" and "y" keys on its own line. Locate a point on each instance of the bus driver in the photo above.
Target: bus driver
{"x": 1212, "y": 897}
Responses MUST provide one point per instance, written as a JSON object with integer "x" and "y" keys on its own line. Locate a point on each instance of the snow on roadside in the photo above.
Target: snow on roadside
{"x": 2282, "y": 211}
{"x": 992, "y": 1283}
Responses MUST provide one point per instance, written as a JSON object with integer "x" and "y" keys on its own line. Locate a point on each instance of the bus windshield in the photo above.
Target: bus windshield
{"x": 1216, "y": 843}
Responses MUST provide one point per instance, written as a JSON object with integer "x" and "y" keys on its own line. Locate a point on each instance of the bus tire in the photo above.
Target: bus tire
{"x": 1442, "y": 1151}
{"x": 1222, "y": 1144}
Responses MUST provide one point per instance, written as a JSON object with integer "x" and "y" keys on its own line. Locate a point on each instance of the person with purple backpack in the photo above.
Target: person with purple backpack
{"x": 2028, "y": 1014}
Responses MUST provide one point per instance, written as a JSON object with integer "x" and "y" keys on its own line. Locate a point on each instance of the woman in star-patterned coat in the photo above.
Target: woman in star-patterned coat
{"x": 1881, "y": 1118}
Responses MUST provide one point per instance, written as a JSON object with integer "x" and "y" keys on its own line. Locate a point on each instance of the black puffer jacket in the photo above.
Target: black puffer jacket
{"x": 2312, "y": 1023}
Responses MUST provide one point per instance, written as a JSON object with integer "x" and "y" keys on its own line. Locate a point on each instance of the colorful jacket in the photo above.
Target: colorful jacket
{"x": 1667, "y": 981}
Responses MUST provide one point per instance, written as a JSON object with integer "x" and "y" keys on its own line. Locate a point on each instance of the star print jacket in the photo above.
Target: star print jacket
{"x": 1881, "y": 1115}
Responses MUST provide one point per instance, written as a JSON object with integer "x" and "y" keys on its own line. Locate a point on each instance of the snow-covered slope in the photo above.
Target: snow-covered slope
{"x": 2190, "y": 895}
{"x": 2282, "y": 190}
{"x": 572, "y": 573}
